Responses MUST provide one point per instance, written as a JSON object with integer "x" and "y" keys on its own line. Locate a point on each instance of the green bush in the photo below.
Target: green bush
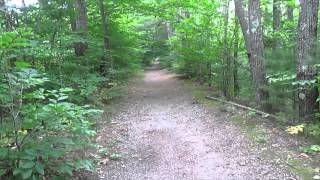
{"x": 40, "y": 130}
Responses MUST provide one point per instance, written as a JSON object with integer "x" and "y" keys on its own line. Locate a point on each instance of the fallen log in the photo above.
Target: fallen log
{"x": 263, "y": 114}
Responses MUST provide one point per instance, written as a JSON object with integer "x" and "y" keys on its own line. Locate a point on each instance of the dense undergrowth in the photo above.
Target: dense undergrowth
{"x": 49, "y": 94}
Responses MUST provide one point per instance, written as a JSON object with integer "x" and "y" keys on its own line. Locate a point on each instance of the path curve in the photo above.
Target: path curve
{"x": 167, "y": 135}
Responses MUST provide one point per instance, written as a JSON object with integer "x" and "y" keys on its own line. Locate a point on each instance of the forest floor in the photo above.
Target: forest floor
{"x": 164, "y": 129}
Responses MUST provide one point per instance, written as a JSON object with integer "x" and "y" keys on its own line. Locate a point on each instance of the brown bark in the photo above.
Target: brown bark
{"x": 308, "y": 21}
{"x": 81, "y": 26}
{"x": 252, "y": 32}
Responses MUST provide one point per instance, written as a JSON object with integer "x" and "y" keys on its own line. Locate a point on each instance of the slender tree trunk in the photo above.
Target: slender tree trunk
{"x": 265, "y": 17}
{"x": 276, "y": 23}
{"x": 169, "y": 30}
{"x": 103, "y": 68}
{"x": 10, "y": 19}
{"x": 2, "y": 13}
{"x": 24, "y": 12}
{"x": 290, "y": 13}
{"x": 227, "y": 71}
{"x": 104, "y": 25}
{"x": 81, "y": 26}
{"x": 209, "y": 73}
{"x": 235, "y": 58}
{"x": 308, "y": 21}
{"x": 200, "y": 73}
{"x": 252, "y": 32}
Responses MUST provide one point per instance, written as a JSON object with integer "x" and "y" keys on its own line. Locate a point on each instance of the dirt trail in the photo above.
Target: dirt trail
{"x": 166, "y": 134}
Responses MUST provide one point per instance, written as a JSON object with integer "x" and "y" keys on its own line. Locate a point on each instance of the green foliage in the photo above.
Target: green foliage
{"x": 40, "y": 127}
{"x": 45, "y": 89}
{"x": 313, "y": 130}
{"x": 115, "y": 156}
{"x": 43, "y": 130}
{"x": 312, "y": 149}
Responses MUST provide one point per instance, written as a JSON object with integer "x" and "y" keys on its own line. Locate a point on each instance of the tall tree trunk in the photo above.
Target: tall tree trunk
{"x": 169, "y": 30}
{"x": 235, "y": 58}
{"x": 308, "y": 21}
{"x": 104, "y": 23}
{"x": 252, "y": 32}
{"x": 81, "y": 26}
{"x": 103, "y": 68}
{"x": 227, "y": 72}
{"x": 276, "y": 23}
{"x": 2, "y": 13}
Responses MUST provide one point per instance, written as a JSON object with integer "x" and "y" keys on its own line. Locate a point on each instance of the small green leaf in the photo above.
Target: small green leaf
{"x": 26, "y": 174}
{"x": 40, "y": 168}
{"x": 66, "y": 90}
{"x": 66, "y": 169}
{"x": 27, "y": 164}
{"x": 66, "y": 141}
{"x": 16, "y": 171}
{"x": 3, "y": 153}
{"x": 31, "y": 152}
{"x": 29, "y": 157}
{"x": 84, "y": 164}
{"x": 62, "y": 98}
{"x": 315, "y": 148}
{"x": 2, "y": 172}
{"x": 115, "y": 156}
{"x": 22, "y": 64}
{"x": 53, "y": 101}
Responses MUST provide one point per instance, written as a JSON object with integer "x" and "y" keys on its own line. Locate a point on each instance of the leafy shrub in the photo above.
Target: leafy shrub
{"x": 313, "y": 130}
{"x": 312, "y": 149}
{"x": 40, "y": 129}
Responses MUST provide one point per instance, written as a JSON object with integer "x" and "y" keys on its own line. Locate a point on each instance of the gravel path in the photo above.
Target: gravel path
{"x": 164, "y": 133}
